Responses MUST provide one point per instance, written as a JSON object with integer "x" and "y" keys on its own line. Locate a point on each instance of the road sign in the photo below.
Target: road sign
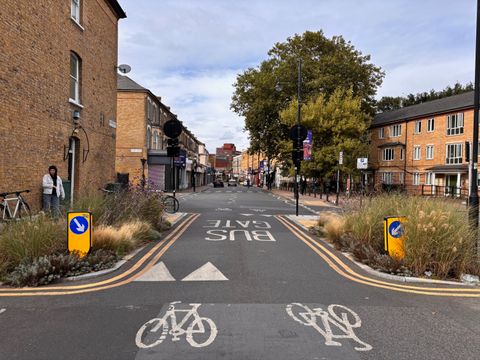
{"x": 340, "y": 158}
{"x": 394, "y": 236}
{"x": 298, "y": 131}
{"x": 362, "y": 163}
{"x": 79, "y": 232}
{"x": 172, "y": 128}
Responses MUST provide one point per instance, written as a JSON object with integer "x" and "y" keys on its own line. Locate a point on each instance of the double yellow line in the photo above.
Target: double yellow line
{"x": 150, "y": 258}
{"x": 347, "y": 272}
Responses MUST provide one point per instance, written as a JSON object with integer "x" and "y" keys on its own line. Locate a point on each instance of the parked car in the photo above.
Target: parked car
{"x": 232, "y": 182}
{"x": 218, "y": 183}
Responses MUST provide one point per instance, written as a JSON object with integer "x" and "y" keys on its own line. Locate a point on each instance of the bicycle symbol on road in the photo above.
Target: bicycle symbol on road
{"x": 343, "y": 322}
{"x": 203, "y": 328}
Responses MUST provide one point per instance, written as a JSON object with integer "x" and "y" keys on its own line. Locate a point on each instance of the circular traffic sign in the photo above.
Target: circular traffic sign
{"x": 78, "y": 225}
{"x": 298, "y": 132}
{"x": 172, "y": 128}
{"x": 396, "y": 229}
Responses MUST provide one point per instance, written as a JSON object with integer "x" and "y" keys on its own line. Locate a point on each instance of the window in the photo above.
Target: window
{"x": 155, "y": 140}
{"x": 149, "y": 137}
{"x": 402, "y": 154}
{"x": 429, "y": 152}
{"x": 402, "y": 178}
{"x": 387, "y": 178}
{"x": 416, "y": 178}
{"x": 388, "y": 154}
{"x": 74, "y": 78}
{"x": 416, "y": 152}
{"x": 381, "y": 133}
{"x": 75, "y": 10}
{"x": 454, "y": 154}
{"x": 395, "y": 130}
{"x": 418, "y": 127}
{"x": 430, "y": 125}
{"x": 455, "y": 124}
{"x": 429, "y": 178}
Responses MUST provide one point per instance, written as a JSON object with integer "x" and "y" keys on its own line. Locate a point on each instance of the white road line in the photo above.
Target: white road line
{"x": 2, "y": 310}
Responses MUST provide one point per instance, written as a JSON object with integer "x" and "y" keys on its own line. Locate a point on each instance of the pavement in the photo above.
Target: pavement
{"x": 237, "y": 278}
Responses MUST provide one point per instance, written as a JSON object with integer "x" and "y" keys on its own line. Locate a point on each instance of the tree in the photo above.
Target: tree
{"x": 338, "y": 123}
{"x": 327, "y": 64}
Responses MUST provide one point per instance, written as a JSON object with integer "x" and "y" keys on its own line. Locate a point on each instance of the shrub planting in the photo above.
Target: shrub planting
{"x": 438, "y": 237}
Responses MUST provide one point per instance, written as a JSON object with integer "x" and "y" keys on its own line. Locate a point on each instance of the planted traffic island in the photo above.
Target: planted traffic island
{"x": 34, "y": 251}
{"x": 438, "y": 240}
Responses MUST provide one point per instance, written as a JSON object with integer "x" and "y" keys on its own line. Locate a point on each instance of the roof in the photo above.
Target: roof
{"x": 451, "y": 103}
{"x": 391, "y": 144}
{"x": 446, "y": 169}
{"x": 117, "y": 8}
{"x": 126, "y": 84}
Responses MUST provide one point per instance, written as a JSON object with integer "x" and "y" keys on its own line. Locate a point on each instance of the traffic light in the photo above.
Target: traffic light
{"x": 173, "y": 149}
{"x": 172, "y": 142}
{"x": 297, "y": 157}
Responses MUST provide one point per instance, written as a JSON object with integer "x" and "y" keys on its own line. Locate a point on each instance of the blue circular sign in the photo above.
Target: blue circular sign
{"x": 78, "y": 225}
{"x": 396, "y": 229}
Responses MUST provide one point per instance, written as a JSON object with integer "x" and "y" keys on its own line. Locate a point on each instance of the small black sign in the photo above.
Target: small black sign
{"x": 172, "y": 128}
{"x": 298, "y": 133}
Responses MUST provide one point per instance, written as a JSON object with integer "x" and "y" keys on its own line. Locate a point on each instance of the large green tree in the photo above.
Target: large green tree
{"x": 261, "y": 93}
{"x": 338, "y": 123}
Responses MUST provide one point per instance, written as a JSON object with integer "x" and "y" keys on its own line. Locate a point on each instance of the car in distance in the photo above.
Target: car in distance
{"x": 232, "y": 182}
{"x": 218, "y": 183}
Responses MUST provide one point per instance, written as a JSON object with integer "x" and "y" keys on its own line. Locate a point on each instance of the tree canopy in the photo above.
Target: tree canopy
{"x": 261, "y": 93}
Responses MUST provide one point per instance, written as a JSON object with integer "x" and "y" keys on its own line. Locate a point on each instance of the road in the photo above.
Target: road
{"x": 237, "y": 279}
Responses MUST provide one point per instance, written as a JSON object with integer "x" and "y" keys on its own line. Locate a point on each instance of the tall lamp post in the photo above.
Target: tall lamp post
{"x": 299, "y": 141}
{"x": 473, "y": 199}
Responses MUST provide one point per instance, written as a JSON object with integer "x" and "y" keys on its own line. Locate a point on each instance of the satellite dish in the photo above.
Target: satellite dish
{"x": 124, "y": 68}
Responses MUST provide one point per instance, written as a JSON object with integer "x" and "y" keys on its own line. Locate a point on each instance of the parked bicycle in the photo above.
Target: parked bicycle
{"x": 170, "y": 203}
{"x": 13, "y": 205}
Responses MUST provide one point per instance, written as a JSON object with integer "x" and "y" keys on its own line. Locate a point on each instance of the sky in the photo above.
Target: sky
{"x": 189, "y": 52}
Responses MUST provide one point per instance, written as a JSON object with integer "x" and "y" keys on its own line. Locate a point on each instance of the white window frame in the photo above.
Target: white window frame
{"x": 431, "y": 125}
{"x": 75, "y": 78}
{"x": 381, "y": 133}
{"x": 149, "y": 137}
{"x": 396, "y": 130}
{"x": 387, "y": 178}
{"x": 75, "y": 10}
{"x": 418, "y": 127}
{"x": 429, "y": 178}
{"x": 417, "y": 150}
{"x": 387, "y": 151}
{"x": 429, "y": 156}
{"x": 416, "y": 178}
{"x": 457, "y": 158}
{"x": 402, "y": 178}
{"x": 402, "y": 153}
{"x": 455, "y": 123}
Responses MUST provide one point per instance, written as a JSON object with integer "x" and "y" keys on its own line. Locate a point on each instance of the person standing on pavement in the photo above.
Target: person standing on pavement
{"x": 52, "y": 191}
{"x": 303, "y": 185}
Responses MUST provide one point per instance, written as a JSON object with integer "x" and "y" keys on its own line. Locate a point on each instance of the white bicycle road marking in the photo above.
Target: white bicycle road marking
{"x": 191, "y": 324}
{"x": 328, "y": 319}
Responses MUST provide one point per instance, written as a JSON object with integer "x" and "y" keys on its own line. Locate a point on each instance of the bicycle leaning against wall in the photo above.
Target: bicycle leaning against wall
{"x": 13, "y": 205}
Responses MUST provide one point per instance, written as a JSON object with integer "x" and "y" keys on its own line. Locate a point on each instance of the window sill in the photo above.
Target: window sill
{"x": 77, "y": 23}
{"x": 73, "y": 102}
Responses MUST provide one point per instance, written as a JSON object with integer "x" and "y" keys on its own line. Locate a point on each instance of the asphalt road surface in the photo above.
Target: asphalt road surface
{"x": 236, "y": 279}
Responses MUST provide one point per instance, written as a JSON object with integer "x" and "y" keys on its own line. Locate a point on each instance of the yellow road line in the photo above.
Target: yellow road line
{"x": 370, "y": 281}
{"x": 174, "y": 236}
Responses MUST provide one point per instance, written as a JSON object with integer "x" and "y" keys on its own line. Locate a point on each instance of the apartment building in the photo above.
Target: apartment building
{"x": 423, "y": 144}
{"x": 58, "y": 93}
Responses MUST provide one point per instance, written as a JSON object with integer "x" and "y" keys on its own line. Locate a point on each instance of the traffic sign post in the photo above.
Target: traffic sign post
{"x": 394, "y": 235}
{"x": 79, "y": 232}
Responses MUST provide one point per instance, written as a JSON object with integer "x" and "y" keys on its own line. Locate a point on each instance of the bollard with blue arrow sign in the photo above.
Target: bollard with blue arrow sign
{"x": 79, "y": 232}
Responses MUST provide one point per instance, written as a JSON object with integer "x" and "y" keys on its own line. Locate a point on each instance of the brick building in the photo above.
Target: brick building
{"x": 224, "y": 157}
{"x": 423, "y": 144}
{"x": 58, "y": 93}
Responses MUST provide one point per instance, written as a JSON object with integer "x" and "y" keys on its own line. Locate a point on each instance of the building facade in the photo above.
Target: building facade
{"x": 58, "y": 97}
{"x": 423, "y": 147}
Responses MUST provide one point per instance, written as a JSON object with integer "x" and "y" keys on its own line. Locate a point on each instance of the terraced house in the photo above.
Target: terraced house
{"x": 58, "y": 70}
{"x": 424, "y": 147}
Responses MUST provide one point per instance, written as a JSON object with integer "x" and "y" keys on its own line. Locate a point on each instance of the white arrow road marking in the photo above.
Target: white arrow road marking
{"x": 207, "y": 272}
{"x": 2, "y": 310}
{"x": 246, "y": 214}
{"x": 80, "y": 227}
{"x": 265, "y": 215}
{"x": 157, "y": 273}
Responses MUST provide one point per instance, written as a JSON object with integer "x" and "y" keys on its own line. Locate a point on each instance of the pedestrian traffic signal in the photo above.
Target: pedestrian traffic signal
{"x": 172, "y": 142}
{"x": 297, "y": 157}
{"x": 173, "y": 151}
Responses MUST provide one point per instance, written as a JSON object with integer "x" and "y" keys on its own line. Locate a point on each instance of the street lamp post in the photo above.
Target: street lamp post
{"x": 299, "y": 145}
{"x": 473, "y": 199}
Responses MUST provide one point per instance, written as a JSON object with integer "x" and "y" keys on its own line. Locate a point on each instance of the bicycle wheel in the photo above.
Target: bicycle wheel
{"x": 24, "y": 210}
{"x": 4, "y": 213}
{"x": 146, "y": 331}
{"x": 201, "y": 326}
{"x": 170, "y": 204}
{"x": 301, "y": 313}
